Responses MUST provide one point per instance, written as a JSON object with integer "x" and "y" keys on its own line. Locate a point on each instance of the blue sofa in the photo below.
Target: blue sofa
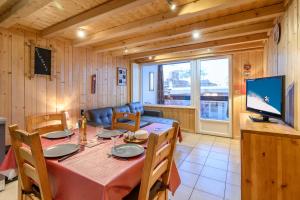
{"x": 103, "y": 116}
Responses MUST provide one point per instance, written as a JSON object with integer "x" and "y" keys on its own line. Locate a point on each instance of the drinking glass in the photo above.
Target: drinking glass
{"x": 114, "y": 141}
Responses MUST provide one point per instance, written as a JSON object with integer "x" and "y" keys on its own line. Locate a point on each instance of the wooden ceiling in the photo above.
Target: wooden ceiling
{"x": 142, "y": 28}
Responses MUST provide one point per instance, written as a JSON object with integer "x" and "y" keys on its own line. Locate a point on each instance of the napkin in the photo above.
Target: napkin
{"x": 141, "y": 134}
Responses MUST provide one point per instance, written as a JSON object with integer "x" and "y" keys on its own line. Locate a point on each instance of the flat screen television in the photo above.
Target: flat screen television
{"x": 266, "y": 96}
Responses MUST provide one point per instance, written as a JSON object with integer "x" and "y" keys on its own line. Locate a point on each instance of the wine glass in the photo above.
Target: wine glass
{"x": 114, "y": 141}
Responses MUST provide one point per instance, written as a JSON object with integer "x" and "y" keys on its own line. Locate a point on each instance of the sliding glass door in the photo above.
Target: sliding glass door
{"x": 204, "y": 84}
{"x": 213, "y": 101}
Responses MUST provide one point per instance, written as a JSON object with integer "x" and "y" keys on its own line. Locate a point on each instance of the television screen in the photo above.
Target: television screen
{"x": 266, "y": 96}
{"x": 42, "y": 61}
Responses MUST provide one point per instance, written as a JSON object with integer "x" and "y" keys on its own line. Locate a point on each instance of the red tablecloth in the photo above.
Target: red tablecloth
{"x": 92, "y": 175}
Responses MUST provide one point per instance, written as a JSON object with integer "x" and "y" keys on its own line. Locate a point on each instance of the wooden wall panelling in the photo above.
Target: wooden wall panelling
{"x": 118, "y": 87}
{"x": 284, "y": 58}
{"x": 6, "y": 78}
{"x": 30, "y": 84}
{"x": 70, "y": 87}
{"x": 104, "y": 80}
{"x": 58, "y": 85}
{"x": 114, "y": 81}
{"x": 82, "y": 78}
{"x": 41, "y": 86}
{"x": 185, "y": 116}
{"x": 99, "y": 80}
{"x": 237, "y": 96}
{"x": 255, "y": 59}
{"x": 18, "y": 80}
{"x": 53, "y": 84}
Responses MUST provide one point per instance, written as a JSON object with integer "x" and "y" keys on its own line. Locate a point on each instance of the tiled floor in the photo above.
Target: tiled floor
{"x": 209, "y": 168}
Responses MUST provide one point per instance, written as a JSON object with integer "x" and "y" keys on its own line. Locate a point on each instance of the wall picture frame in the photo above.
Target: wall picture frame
{"x": 41, "y": 60}
{"x": 122, "y": 76}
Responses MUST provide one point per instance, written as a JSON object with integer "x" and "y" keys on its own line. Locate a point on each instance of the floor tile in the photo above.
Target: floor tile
{"x": 219, "y": 149}
{"x": 188, "y": 179}
{"x": 211, "y": 186}
{"x": 199, "y": 152}
{"x": 182, "y": 193}
{"x": 10, "y": 192}
{"x": 203, "y": 146}
{"x": 234, "y": 167}
{"x": 234, "y": 158}
{"x": 221, "y": 144}
{"x": 214, "y": 173}
{"x": 199, "y": 195}
{"x": 232, "y": 192}
{"x": 218, "y": 156}
{"x": 183, "y": 148}
{"x": 216, "y": 164}
{"x": 191, "y": 167}
{"x": 223, "y": 140}
{"x": 233, "y": 178}
{"x": 196, "y": 159}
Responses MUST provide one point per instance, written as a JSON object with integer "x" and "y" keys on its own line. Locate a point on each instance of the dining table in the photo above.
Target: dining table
{"x": 92, "y": 173}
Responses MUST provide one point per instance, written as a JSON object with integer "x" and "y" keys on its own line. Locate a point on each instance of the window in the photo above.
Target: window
{"x": 171, "y": 84}
{"x": 214, "y": 89}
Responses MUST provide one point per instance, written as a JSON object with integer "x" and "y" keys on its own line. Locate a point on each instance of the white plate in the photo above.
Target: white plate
{"x": 127, "y": 150}
{"x": 109, "y": 133}
{"x": 57, "y": 134}
{"x": 60, "y": 150}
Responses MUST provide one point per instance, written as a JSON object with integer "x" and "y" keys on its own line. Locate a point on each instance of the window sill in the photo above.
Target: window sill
{"x": 215, "y": 120}
{"x": 169, "y": 106}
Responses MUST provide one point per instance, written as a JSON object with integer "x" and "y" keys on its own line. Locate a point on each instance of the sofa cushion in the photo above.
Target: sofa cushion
{"x": 105, "y": 126}
{"x": 142, "y": 123}
{"x": 157, "y": 120}
{"x": 124, "y": 108}
{"x": 136, "y": 107}
{"x": 101, "y": 115}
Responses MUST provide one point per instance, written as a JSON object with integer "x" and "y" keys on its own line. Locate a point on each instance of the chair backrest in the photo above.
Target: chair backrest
{"x": 46, "y": 123}
{"x": 31, "y": 162}
{"x": 124, "y": 120}
{"x": 159, "y": 160}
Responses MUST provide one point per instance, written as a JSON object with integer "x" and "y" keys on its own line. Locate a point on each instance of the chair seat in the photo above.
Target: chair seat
{"x": 156, "y": 188}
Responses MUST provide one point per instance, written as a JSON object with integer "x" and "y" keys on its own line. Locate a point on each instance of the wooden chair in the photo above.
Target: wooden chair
{"x": 157, "y": 166}
{"x": 46, "y": 123}
{"x": 118, "y": 118}
{"x": 31, "y": 165}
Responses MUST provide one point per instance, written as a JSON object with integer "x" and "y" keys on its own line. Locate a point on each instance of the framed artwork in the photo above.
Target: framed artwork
{"x": 93, "y": 84}
{"x": 41, "y": 60}
{"x": 122, "y": 76}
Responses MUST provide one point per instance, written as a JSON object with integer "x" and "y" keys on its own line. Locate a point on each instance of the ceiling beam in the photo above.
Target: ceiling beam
{"x": 262, "y": 27}
{"x": 92, "y": 15}
{"x": 203, "y": 52}
{"x": 253, "y": 15}
{"x": 203, "y": 45}
{"x": 197, "y": 8}
{"x": 20, "y": 9}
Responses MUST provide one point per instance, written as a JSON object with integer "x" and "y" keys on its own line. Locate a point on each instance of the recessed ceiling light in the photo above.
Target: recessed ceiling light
{"x": 81, "y": 33}
{"x": 196, "y": 34}
{"x": 172, "y": 5}
{"x": 150, "y": 57}
{"x": 125, "y": 50}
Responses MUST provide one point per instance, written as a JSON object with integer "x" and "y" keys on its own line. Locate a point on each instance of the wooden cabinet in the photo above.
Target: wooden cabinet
{"x": 270, "y": 156}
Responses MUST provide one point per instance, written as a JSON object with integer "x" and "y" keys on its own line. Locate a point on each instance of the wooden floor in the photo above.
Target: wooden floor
{"x": 209, "y": 168}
